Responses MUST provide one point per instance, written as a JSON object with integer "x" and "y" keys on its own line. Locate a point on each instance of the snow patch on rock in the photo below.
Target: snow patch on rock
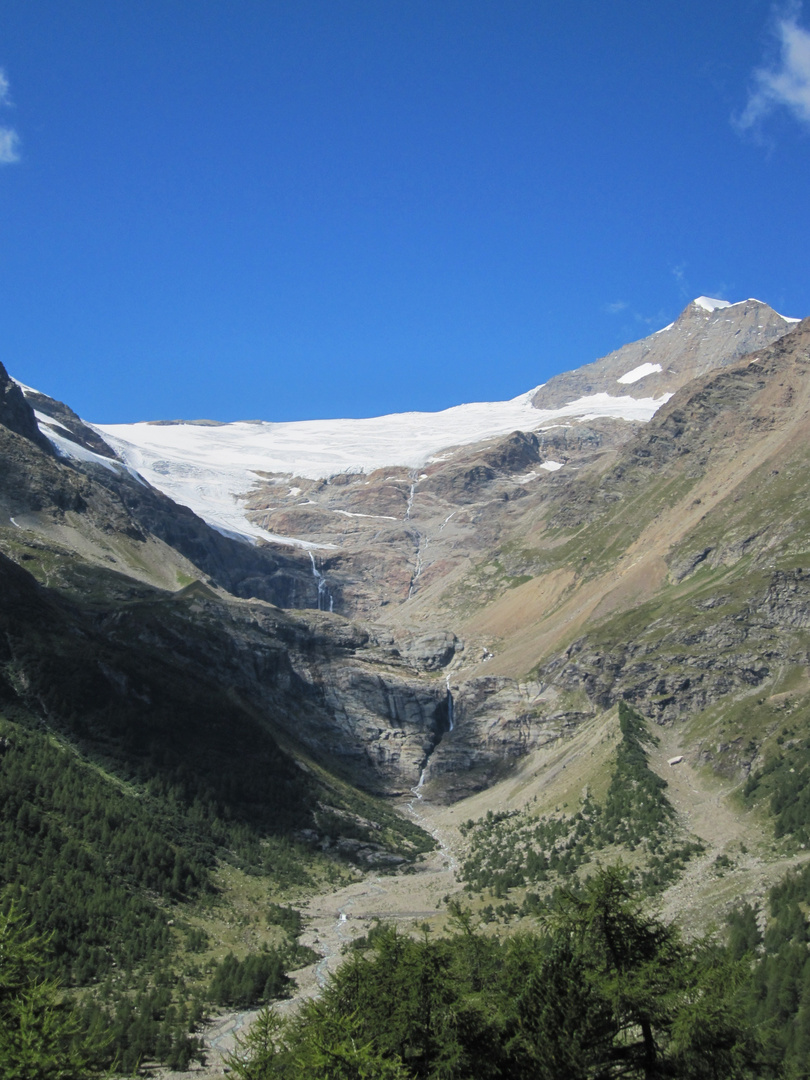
{"x": 639, "y": 373}
{"x": 708, "y": 304}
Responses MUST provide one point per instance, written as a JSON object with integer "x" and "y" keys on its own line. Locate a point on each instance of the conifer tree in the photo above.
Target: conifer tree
{"x": 658, "y": 1006}
{"x": 40, "y": 1034}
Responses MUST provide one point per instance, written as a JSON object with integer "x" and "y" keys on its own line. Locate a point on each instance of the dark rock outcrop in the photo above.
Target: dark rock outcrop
{"x": 17, "y": 415}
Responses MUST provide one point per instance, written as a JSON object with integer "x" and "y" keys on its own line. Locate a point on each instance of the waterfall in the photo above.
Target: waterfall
{"x": 410, "y": 500}
{"x": 323, "y": 591}
{"x": 416, "y": 790}
{"x": 418, "y": 567}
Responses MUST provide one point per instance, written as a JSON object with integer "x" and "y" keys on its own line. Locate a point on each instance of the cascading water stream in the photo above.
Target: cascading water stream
{"x": 419, "y": 538}
{"x": 417, "y": 791}
{"x": 323, "y": 592}
{"x": 418, "y": 815}
{"x": 420, "y": 550}
{"x": 410, "y": 500}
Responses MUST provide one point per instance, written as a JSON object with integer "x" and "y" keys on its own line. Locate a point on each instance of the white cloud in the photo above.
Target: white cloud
{"x": 9, "y": 146}
{"x": 786, "y": 83}
{"x": 9, "y": 140}
{"x": 615, "y": 308}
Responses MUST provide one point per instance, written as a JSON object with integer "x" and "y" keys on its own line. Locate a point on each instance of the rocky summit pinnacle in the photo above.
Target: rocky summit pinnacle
{"x": 15, "y": 412}
{"x": 706, "y": 335}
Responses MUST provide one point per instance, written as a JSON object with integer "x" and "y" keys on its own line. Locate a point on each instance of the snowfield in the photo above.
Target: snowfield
{"x": 210, "y": 468}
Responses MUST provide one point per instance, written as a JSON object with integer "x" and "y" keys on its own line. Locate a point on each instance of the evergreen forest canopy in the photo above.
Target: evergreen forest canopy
{"x": 602, "y": 990}
{"x": 84, "y": 857}
{"x": 117, "y": 877}
{"x": 510, "y": 850}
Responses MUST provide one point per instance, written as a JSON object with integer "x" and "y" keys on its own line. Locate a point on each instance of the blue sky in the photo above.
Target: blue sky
{"x": 290, "y": 209}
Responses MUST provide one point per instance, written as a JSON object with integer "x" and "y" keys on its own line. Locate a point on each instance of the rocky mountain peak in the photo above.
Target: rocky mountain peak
{"x": 708, "y": 334}
{"x": 15, "y": 412}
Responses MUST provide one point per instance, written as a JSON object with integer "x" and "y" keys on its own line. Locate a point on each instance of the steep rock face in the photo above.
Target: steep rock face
{"x": 428, "y": 651}
{"x": 132, "y": 686}
{"x": 323, "y": 682}
{"x": 377, "y": 713}
{"x": 124, "y": 697}
{"x": 16, "y": 414}
{"x": 61, "y": 421}
{"x": 465, "y": 480}
{"x": 493, "y": 726}
{"x": 676, "y": 668}
{"x": 103, "y": 513}
{"x": 114, "y": 668}
{"x": 240, "y": 568}
{"x": 386, "y": 723}
{"x": 32, "y": 480}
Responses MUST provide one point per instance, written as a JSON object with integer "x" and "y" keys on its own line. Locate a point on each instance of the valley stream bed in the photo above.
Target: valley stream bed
{"x": 334, "y": 919}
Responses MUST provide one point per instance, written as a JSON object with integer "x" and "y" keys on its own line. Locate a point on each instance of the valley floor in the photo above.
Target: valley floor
{"x": 740, "y": 863}
{"x": 336, "y": 917}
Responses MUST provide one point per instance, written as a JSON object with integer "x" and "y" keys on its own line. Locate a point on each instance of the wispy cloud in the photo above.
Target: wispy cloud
{"x": 786, "y": 82}
{"x": 650, "y": 321}
{"x": 687, "y": 292}
{"x": 633, "y": 317}
{"x": 679, "y": 273}
{"x": 9, "y": 139}
{"x": 9, "y": 146}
